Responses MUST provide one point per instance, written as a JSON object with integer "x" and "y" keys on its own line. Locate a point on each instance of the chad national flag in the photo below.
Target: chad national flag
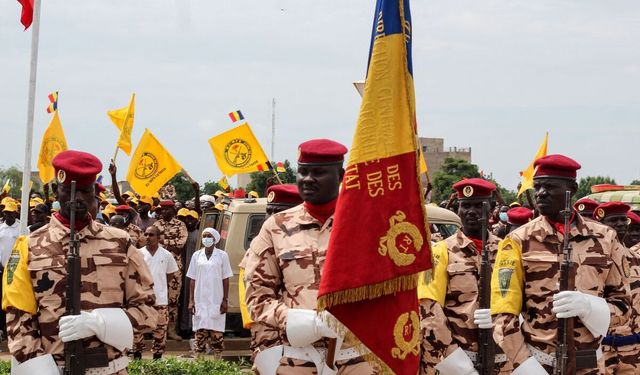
{"x": 369, "y": 278}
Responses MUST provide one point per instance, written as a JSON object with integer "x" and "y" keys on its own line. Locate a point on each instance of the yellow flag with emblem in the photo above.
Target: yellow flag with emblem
{"x": 151, "y": 166}
{"x": 16, "y": 281}
{"x": 527, "y": 174}
{"x": 224, "y": 183}
{"x": 238, "y": 151}
{"x": 53, "y": 142}
{"x": 123, "y": 119}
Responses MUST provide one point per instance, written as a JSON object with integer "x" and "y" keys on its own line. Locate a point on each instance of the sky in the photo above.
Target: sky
{"x": 493, "y": 75}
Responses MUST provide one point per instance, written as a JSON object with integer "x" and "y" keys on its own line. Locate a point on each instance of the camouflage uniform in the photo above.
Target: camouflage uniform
{"x": 159, "y": 333}
{"x": 626, "y": 359}
{"x": 447, "y": 303}
{"x": 136, "y": 234}
{"x": 291, "y": 249}
{"x": 173, "y": 236}
{"x": 526, "y": 277}
{"x": 210, "y": 338}
{"x": 114, "y": 275}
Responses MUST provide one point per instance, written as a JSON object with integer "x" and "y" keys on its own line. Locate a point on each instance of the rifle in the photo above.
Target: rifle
{"x": 76, "y": 358}
{"x": 565, "y": 363}
{"x": 486, "y": 346}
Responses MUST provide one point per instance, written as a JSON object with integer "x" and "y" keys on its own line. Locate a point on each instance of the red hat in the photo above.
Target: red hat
{"x": 610, "y": 209}
{"x": 77, "y": 166}
{"x": 585, "y": 206}
{"x": 519, "y": 215}
{"x": 633, "y": 218}
{"x": 167, "y": 203}
{"x": 283, "y": 194}
{"x": 321, "y": 152}
{"x": 556, "y": 166}
{"x": 100, "y": 188}
{"x": 474, "y": 188}
{"x": 123, "y": 207}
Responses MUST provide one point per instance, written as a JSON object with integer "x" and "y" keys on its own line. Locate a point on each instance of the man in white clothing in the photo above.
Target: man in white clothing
{"x": 161, "y": 263}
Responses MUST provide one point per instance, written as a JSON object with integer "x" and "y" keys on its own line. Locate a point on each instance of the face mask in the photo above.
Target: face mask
{"x": 207, "y": 241}
{"x": 503, "y": 216}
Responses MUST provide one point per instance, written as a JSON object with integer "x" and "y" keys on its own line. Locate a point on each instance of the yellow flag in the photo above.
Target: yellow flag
{"x": 224, "y": 183}
{"x": 423, "y": 164}
{"x": 242, "y": 292}
{"x": 151, "y": 166}
{"x": 16, "y": 281}
{"x": 53, "y": 142}
{"x": 238, "y": 151}
{"x": 123, "y": 119}
{"x": 7, "y": 187}
{"x": 527, "y": 174}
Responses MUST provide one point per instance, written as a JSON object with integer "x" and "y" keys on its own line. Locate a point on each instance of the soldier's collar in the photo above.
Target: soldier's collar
{"x": 578, "y": 227}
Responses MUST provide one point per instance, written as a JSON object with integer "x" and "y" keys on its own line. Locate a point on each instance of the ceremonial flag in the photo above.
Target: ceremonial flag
{"x": 527, "y": 174}
{"x": 16, "y": 280}
{"x": 7, "y": 187}
{"x": 224, "y": 183}
{"x": 53, "y": 99}
{"x": 238, "y": 151}
{"x": 53, "y": 142}
{"x": 423, "y": 163}
{"x": 151, "y": 166}
{"x": 123, "y": 119}
{"x": 369, "y": 278}
{"x": 280, "y": 167}
{"x": 26, "y": 18}
{"x": 236, "y": 116}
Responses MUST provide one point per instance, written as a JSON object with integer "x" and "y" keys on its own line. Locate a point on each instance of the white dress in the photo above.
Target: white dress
{"x": 208, "y": 294}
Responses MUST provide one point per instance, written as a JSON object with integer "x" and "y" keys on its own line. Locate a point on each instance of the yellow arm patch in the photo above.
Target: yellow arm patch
{"x": 436, "y": 288}
{"x": 244, "y": 312}
{"x": 16, "y": 281}
{"x": 507, "y": 279}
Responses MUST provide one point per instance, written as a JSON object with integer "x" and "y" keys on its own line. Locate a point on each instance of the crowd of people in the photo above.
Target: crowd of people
{"x": 147, "y": 269}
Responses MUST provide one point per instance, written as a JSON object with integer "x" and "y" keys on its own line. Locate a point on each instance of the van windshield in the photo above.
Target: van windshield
{"x": 224, "y": 230}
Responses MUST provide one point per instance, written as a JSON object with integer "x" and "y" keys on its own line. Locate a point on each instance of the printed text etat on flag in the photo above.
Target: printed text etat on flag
{"x": 370, "y": 276}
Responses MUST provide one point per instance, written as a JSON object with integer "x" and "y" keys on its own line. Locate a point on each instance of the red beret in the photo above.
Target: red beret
{"x": 123, "y": 207}
{"x": 585, "y": 206}
{"x": 100, "y": 188}
{"x": 77, "y": 166}
{"x": 474, "y": 188}
{"x": 610, "y": 209}
{"x": 556, "y": 166}
{"x": 321, "y": 152}
{"x": 167, "y": 203}
{"x": 283, "y": 194}
{"x": 633, "y": 218}
{"x": 519, "y": 215}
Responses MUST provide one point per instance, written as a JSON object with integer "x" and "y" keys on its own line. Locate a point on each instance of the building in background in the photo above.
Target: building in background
{"x": 434, "y": 153}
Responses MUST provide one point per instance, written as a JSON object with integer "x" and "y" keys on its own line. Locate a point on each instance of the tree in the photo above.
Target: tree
{"x": 15, "y": 176}
{"x": 585, "y": 184}
{"x": 452, "y": 171}
{"x": 260, "y": 181}
{"x": 211, "y": 187}
{"x": 182, "y": 184}
{"x": 635, "y": 182}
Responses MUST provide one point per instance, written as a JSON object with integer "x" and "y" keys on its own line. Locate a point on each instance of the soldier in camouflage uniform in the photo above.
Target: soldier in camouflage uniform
{"x": 621, "y": 346}
{"x": 136, "y": 234}
{"x": 173, "y": 236}
{"x": 282, "y": 287}
{"x": 525, "y": 279}
{"x": 450, "y": 315}
{"x": 116, "y": 294}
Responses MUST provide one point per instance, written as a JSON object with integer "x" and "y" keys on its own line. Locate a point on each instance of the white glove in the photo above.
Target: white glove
{"x": 456, "y": 363}
{"x": 482, "y": 318}
{"x": 78, "y": 327}
{"x": 568, "y": 304}
{"x": 530, "y": 367}
{"x": 305, "y": 327}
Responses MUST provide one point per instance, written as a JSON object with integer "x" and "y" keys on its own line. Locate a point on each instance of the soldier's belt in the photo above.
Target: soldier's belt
{"x": 585, "y": 359}
{"x": 618, "y": 341}
{"x": 499, "y": 358}
{"x": 112, "y": 368}
{"x": 305, "y": 353}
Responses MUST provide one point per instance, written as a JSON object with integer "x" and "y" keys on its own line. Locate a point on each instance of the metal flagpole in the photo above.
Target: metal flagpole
{"x": 273, "y": 129}
{"x": 26, "y": 170}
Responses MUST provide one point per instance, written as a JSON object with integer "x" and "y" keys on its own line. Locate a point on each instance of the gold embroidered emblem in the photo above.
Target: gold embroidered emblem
{"x": 581, "y": 207}
{"x": 406, "y": 335}
{"x": 467, "y": 191}
{"x": 401, "y": 239}
{"x": 271, "y": 196}
{"x": 600, "y": 213}
{"x": 62, "y": 175}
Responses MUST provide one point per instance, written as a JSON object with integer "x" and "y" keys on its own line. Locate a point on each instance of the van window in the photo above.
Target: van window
{"x": 253, "y": 228}
{"x": 210, "y": 220}
{"x": 224, "y": 230}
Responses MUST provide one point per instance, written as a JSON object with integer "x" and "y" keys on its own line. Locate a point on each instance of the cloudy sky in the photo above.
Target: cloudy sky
{"x": 491, "y": 75}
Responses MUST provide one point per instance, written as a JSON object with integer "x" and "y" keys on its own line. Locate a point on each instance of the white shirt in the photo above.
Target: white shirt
{"x": 160, "y": 264}
{"x": 208, "y": 294}
{"x": 8, "y": 235}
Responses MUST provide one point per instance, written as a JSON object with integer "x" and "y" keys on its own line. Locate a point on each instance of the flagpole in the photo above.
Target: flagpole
{"x": 26, "y": 170}
{"x": 273, "y": 128}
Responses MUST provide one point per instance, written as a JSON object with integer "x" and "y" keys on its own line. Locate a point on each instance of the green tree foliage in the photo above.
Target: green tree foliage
{"x": 635, "y": 182}
{"x": 452, "y": 171}
{"x": 211, "y": 187}
{"x": 15, "y": 175}
{"x": 184, "y": 190}
{"x": 585, "y": 184}
{"x": 261, "y": 180}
